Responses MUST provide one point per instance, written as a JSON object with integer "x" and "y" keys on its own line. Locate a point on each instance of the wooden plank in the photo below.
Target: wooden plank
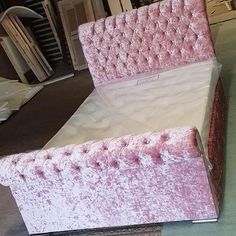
{"x": 89, "y": 10}
{"x": 34, "y": 57}
{"x": 222, "y": 18}
{"x": 42, "y": 60}
{"x": 98, "y": 9}
{"x": 115, "y": 7}
{"x": 25, "y": 50}
{"x": 20, "y": 44}
{"x": 51, "y": 21}
{"x": 126, "y": 5}
{"x": 74, "y": 13}
{"x": 67, "y": 33}
{"x": 15, "y": 57}
{"x": 77, "y": 48}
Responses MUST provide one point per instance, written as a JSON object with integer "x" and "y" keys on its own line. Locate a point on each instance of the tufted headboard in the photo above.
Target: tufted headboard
{"x": 157, "y": 37}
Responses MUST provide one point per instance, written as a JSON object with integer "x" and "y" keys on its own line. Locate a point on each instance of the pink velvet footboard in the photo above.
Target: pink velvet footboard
{"x": 149, "y": 178}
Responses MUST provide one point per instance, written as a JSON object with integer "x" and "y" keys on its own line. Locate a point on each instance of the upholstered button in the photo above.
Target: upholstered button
{"x": 22, "y": 177}
{"x": 97, "y": 164}
{"x": 145, "y": 141}
{"x": 85, "y": 151}
{"x": 164, "y": 137}
{"x": 114, "y": 164}
{"x": 136, "y": 160}
{"x": 56, "y": 169}
{"x": 75, "y": 167}
{"x": 157, "y": 158}
{"x": 124, "y": 144}
{"x": 67, "y": 153}
{"x": 14, "y": 162}
{"x": 40, "y": 173}
{"x": 48, "y": 157}
{"x": 105, "y": 148}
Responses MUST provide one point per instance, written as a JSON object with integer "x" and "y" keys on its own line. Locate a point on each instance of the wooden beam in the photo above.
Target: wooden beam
{"x": 38, "y": 54}
{"x": 22, "y": 47}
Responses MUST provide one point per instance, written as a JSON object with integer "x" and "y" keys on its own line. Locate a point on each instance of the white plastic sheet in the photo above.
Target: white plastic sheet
{"x": 175, "y": 98}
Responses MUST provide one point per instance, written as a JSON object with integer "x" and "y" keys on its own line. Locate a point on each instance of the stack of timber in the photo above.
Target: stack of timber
{"x": 21, "y": 41}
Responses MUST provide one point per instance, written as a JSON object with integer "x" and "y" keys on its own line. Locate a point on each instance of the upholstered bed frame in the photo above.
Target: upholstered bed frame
{"x": 136, "y": 179}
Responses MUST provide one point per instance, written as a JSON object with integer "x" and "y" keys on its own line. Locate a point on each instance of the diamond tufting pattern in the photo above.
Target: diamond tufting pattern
{"x": 113, "y": 182}
{"x": 157, "y": 37}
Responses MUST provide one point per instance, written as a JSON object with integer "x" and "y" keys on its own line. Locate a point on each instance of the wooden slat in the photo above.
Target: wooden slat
{"x": 22, "y": 39}
{"x": 115, "y": 7}
{"x": 89, "y": 10}
{"x": 126, "y": 5}
{"x": 37, "y": 59}
{"x": 22, "y": 47}
{"x": 36, "y": 50}
{"x": 67, "y": 33}
{"x": 74, "y": 13}
{"x": 98, "y": 9}
{"x": 52, "y": 21}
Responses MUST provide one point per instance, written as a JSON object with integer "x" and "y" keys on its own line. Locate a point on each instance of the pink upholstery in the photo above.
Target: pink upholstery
{"x": 153, "y": 38}
{"x": 149, "y": 178}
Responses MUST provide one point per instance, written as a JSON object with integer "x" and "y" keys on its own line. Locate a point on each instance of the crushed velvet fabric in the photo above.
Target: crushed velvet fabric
{"x": 148, "y": 178}
{"x": 217, "y": 140}
{"x": 157, "y": 37}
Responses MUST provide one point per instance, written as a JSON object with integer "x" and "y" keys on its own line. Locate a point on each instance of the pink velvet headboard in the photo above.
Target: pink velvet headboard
{"x": 149, "y": 39}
